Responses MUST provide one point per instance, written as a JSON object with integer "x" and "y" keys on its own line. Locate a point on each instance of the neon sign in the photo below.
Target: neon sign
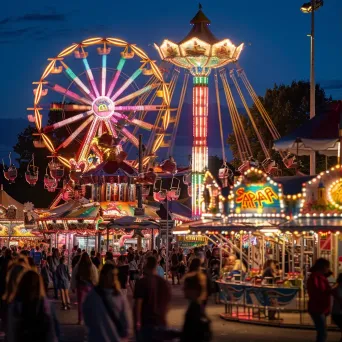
{"x": 256, "y": 199}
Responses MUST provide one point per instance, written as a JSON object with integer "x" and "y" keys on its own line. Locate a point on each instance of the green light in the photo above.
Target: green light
{"x": 121, "y": 63}
{"x": 201, "y": 80}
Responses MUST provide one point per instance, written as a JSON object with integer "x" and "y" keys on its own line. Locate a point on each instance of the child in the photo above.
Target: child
{"x": 336, "y": 313}
{"x": 196, "y": 324}
{"x": 63, "y": 282}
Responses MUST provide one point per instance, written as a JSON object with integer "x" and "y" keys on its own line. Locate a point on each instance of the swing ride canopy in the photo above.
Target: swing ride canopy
{"x": 200, "y": 48}
{"x": 320, "y": 134}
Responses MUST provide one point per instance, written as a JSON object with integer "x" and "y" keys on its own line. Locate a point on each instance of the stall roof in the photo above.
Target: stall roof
{"x": 231, "y": 224}
{"x": 6, "y": 200}
{"x": 292, "y": 185}
{"x": 321, "y": 133}
{"x": 313, "y": 223}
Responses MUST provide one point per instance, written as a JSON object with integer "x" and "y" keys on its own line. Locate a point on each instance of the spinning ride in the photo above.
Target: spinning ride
{"x": 200, "y": 52}
{"x": 93, "y": 101}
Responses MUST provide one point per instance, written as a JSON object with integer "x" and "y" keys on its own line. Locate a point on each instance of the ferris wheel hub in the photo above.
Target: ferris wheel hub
{"x": 103, "y": 107}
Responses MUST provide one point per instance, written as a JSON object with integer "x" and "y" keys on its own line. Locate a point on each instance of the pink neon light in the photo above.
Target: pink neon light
{"x": 130, "y": 136}
{"x": 93, "y": 84}
{"x": 138, "y": 108}
{"x": 69, "y": 93}
{"x": 89, "y": 137}
{"x": 75, "y": 133}
{"x": 103, "y": 81}
{"x": 67, "y": 121}
{"x": 113, "y": 83}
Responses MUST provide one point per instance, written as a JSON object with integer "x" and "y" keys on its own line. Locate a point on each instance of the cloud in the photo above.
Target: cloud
{"x": 16, "y": 33}
{"x": 42, "y": 17}
{"x": 29, "y": 17}
{"x": 331, "y": 84}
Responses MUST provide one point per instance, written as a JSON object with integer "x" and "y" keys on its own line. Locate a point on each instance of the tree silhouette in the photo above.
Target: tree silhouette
{"x": 289, "y": 107}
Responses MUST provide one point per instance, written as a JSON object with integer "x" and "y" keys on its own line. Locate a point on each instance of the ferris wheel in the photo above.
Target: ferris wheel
{"x": 125, "y": 96}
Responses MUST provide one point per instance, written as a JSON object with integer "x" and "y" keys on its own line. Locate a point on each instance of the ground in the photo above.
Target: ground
{"x": 223, "y": 330}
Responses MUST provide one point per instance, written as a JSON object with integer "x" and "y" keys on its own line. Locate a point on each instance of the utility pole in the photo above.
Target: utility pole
{"x": 311, "y": 7}
{"x": 139, "y": 210}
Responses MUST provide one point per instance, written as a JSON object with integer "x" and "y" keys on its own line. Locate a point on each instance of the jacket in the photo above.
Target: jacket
{"x": 319, "y": 293}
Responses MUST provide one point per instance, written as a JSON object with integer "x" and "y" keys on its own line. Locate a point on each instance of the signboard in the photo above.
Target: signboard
{"x": 257, "y": 198}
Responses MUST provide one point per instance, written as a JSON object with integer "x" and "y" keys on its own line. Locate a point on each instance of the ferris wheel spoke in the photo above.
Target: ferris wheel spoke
{"x": 77, "y": 81}
{"x": 90, "y": 76}
{"x": 139, "y": 108}
{"x": 130, "y": 137}
{"x": 112, "y": 84}
{"x": 136, "y": 122}
{"x": 127, "y": 83}
{"x": 104, "y": 75}
{"x": 68, "y": 93}
{"x": 111, "y": 128}
{"x": 85, "y": 146}
{"x": 67, "y": 121}
{"x": 74, "y": 134}
{"x": 137, "y": 93}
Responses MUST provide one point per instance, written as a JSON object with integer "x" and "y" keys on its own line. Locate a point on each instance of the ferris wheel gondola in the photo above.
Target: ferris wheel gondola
{"x": 32, "y": 172}
{"x": 11, "y": 172}
{"x": 50, "y": 183}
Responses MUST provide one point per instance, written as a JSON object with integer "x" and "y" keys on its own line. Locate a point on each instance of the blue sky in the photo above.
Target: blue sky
{"x": 277, "y": 48}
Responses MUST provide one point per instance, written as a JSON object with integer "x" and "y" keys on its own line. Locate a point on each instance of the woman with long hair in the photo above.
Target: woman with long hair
{"x": 63, "y": 281}
{"x": 105, "y": 309}
{"x": 29, "y": 315}
{"x": 319, "y": 292}
{"x": 84, "y": 277}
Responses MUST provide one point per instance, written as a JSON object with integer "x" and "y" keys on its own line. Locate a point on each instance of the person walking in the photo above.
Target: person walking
{"x": 84, "y": 277}
{"x": 152, "y": 297}
{"x": 76, "y": 258}
{"x": 105, "y": 310}
{"x": 46, "y": 275}
{"x": 133, "y": 270}
{"x": 174, "y": 266}
{"x": 197, "y": 326}
{"x": 123, "y": 276}
{"x": 53, "y": 261}
{"x": 95, "y": 259}
{"x": 319, "y": 297}
{"x": 30, "y": 317}
{"x": 336, "y": 312}
{"x": 63, "y": 282}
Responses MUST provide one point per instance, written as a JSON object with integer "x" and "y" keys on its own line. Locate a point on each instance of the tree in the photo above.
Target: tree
{"x": 24, "y": 148}
{"x": 288, "y": 107}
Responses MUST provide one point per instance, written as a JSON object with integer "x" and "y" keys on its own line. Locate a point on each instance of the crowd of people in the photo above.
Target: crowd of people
{"x": 111, "y": 292}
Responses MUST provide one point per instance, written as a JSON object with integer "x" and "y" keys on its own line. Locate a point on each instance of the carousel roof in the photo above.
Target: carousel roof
{"x": 73, "y": 210}
{"x": 6, "y": 200}
{"x": 111, "y": 169}
{"x": 321, "y": 133}
{"x": 200, "y": 29}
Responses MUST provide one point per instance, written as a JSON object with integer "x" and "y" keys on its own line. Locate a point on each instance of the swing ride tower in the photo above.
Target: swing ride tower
{"x": 199, "y": 52}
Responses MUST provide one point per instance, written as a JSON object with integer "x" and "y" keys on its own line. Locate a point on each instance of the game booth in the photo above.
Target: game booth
{"x": 289, "y": 220}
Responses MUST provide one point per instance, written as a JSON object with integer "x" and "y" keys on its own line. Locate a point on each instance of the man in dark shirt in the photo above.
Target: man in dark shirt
{"x": 152, "y": 297}
{"x": 76, "y": 258}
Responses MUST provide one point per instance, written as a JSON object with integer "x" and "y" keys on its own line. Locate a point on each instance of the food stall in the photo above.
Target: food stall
{"x": 17, "y": 223}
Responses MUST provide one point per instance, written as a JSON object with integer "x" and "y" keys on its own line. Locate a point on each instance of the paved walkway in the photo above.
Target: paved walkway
{"x": 223, "y": 330}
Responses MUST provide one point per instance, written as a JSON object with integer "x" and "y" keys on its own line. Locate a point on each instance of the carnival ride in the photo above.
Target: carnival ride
{"x": 198, "y": 53}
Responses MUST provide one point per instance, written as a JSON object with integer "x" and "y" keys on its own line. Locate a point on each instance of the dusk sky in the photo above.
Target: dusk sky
{"x": 275, "y": 33}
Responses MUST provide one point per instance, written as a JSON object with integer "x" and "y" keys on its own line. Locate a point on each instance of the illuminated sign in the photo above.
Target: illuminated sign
{"x": 252, "y": 200}
{"x": 336, "y": 193}
{"x": 257, "y": 198}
